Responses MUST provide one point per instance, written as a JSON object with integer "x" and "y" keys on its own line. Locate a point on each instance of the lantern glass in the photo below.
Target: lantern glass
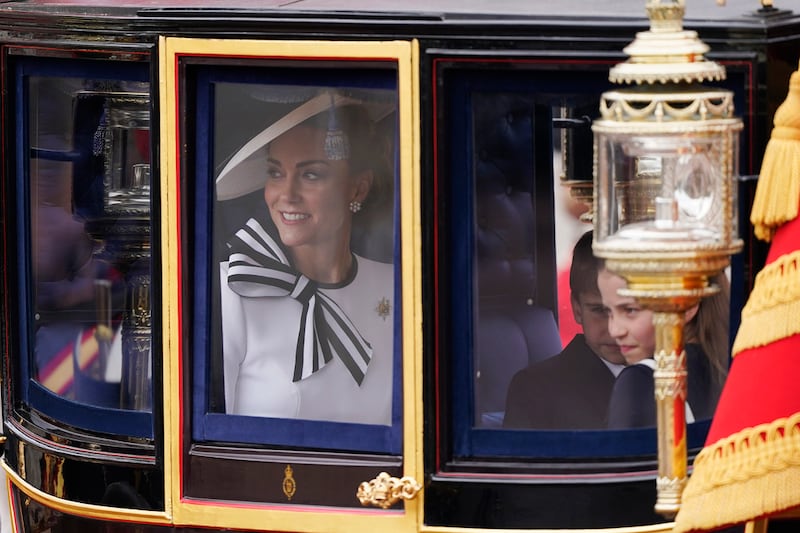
{"x": 672, "y": 186}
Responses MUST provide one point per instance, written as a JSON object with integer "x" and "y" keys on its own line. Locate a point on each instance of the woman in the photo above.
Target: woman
{"x": 307, "y": 324}
{"x": 632, "y": 402}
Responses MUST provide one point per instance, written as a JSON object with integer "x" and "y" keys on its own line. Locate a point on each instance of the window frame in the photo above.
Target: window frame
{"x": 214, "y": 426}
{"x": 527, "y": 470}
{"x": 269, "y": 458}
{"x": 120, "y": 424}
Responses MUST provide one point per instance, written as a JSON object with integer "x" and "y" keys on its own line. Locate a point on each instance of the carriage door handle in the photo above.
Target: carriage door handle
{"x": 385, "y": 490}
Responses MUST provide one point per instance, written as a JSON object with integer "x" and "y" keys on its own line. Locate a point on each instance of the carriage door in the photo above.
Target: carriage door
{"x": 292, "y": 283}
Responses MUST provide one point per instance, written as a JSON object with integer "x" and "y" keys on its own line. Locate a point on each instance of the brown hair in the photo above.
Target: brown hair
{"x": 710, "y": 328}
{"x": 585, "y": 266}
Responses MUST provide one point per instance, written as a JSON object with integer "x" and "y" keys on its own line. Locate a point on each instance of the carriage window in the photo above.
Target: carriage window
{"x": 299, "y": 258}
{"x": 534, "y": 360}
{"x": 85, "y": 174}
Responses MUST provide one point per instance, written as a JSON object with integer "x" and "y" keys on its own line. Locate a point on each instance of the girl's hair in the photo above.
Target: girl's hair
{"x": 710, "y": 329}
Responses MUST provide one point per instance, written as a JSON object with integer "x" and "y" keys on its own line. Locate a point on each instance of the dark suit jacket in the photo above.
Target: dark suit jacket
{"x": 633, "y": 404}
{"x": 568, "y": 391}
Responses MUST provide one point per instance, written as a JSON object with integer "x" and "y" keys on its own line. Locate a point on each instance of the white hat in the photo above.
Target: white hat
{"x": 245, "y": 171}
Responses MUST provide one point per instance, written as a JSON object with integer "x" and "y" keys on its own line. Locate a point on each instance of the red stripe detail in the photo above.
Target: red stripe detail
{"x": 761, "y": 388}
{"x": 786, "y": 240}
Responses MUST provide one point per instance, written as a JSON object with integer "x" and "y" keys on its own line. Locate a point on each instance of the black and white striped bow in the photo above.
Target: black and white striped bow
{"x": 258, "y": 267}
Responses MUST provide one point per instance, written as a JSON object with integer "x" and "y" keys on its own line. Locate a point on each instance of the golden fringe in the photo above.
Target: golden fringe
{"x": 752, "y": 473}
{"x": 778, "y": 189}
{"x": 773, "y": 306}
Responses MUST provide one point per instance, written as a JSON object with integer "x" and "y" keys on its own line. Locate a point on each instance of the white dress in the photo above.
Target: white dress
{"x": 259, "y": 342}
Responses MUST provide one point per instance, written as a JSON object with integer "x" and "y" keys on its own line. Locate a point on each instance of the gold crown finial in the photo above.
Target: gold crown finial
{"x": 666, "y": 53}
{"x": 665, "y": 15}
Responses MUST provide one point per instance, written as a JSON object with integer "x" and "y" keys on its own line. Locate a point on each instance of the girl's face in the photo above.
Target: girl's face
{"x": 308, "y": 195}
{"x": 629, "y": 324}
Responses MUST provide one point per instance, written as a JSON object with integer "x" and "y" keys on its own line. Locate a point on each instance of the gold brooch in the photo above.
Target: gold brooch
{"x": 383, "y": 308}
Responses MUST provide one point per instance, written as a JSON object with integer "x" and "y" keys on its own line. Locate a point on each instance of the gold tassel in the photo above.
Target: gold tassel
{"x": 778, "y": 191}
{"x": 773, "y": 306}
{"x": 758, "y": 468}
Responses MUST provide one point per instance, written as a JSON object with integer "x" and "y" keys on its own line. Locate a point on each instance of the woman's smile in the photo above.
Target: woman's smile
{"x": 291, "y": 217}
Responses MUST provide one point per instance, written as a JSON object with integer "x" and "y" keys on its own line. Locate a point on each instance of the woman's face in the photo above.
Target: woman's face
{"x": 308, "y": 195}
{"x": 629, "y": 324}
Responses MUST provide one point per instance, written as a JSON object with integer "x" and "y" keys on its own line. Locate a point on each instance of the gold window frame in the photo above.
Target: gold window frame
{"x": 216, "y": 513}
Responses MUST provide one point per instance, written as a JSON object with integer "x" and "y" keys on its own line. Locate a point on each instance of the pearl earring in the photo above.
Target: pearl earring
{"x": 355, "y": 206}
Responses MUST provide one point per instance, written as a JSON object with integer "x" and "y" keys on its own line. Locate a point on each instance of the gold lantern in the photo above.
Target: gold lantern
{"x": 666, "y": 154}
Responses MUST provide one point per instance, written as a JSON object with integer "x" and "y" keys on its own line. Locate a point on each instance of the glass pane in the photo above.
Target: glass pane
{"x": 314, "y": 174}
{"x": 304, "y": 236}
{"x": 540, "y": 385}
{"x": 542, "y": 355}
{"x": 89, "y": 186}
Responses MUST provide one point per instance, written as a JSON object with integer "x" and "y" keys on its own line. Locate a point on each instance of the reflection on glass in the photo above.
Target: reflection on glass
{"x": 304, "y": 234}
{"x": 89, "y": 148}
{"x": 694, "y": 186}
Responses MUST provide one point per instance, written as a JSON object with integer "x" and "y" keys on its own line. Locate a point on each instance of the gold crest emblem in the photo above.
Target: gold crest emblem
{"x": 289, "y": 485}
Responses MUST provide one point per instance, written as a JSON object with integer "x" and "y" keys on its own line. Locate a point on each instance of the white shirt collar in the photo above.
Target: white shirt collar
{"x": 613, "y": 367}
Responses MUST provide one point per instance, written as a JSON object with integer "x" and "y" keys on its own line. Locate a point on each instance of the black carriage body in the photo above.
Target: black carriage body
{"x": 487, "y": 80}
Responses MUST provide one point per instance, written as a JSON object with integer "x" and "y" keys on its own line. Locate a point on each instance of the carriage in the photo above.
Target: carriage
{"x": 119, "y": 119}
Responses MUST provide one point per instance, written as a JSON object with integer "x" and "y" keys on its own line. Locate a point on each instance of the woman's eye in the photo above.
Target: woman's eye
{"x": 274, "y": 173}
{"x": 313, "y": 175}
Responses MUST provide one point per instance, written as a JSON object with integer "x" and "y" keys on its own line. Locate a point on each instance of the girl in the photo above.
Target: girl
{"x": 632, "y": 401}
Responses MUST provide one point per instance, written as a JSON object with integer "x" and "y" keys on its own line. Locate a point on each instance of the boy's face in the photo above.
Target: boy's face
{"x": 588, "y": 310}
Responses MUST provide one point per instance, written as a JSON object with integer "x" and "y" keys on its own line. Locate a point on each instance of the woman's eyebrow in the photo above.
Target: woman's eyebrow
{"x": 301, "y": 163}
{"x": 313, "y": 162}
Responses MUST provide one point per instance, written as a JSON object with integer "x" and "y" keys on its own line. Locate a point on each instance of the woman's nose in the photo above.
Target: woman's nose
{"x": 291, "y": 188}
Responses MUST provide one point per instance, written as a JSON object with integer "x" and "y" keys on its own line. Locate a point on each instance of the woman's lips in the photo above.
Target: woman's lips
{"x": 293, "y": 217}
